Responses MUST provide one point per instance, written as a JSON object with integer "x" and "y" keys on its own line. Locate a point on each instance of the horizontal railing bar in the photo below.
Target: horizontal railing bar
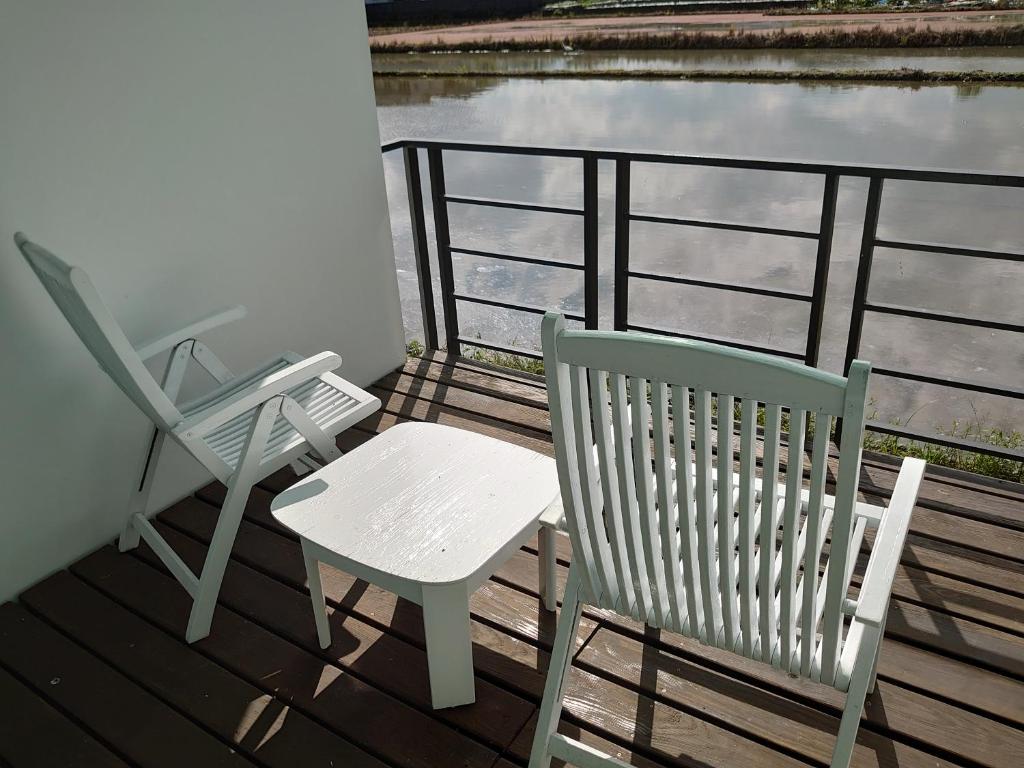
{"x": 950, "y": 442}
{"x": 716, "y": 340}
{"x": 943, "y": 317}
{"x": 937, "y": 175}
{"x": 531, "y": 308}
{"x": 956, "y": 250}
{"x": 513, "y": 204}
{"x": 947, "y": 381}
{"x": 523, "y": 259}
{"x": 495, "y": 347}
{"x": 728, "y": 225}
{"x": 737, "y": 287}
{"x": 391, "y": 146}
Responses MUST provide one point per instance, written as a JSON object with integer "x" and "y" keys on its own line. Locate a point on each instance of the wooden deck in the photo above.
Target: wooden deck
{"x": 94, "y": 669}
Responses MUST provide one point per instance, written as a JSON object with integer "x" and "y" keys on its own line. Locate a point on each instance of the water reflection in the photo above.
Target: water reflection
{"x": 932, "y": 126}
{"x": 994, "y": 59}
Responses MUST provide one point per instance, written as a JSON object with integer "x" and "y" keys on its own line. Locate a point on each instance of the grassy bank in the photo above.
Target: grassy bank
{"x": 842, "y": 75}
{"x": 875, "y": 37}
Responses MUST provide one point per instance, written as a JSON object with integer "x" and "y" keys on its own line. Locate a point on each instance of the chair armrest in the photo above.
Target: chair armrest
{"x": 270, "y": 387}
{"x": 885, "y": 554}
{"x": 154, "y": 347}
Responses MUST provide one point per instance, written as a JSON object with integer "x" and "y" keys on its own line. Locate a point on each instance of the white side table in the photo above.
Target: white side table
{"x": 427, "y": 512}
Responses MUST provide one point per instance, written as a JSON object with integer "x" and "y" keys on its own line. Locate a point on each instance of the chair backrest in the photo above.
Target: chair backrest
{"x": 75, "y": 296}
{"x": 666, "y": 533}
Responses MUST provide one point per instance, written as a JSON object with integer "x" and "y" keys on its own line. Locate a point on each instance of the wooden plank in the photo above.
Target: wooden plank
{"x": 519, "y": 379}
{"x": 955, "y": 598}
{"x": 520, "y": 749}
{"x": 347, "y": 705}
{"x": 660, "y": 732}
{"x": 34, "y": 733}
{"x": 442, "y": 393}
{"x": 957, "y": 682}
{"x": 414, "y": 409}
{"x": 495, "y": 719}
{"x": 146, "y": 731}
{"x": 508, "y": 387}
{"x": 258, "y": 724}
{"x": 764, "y": 715}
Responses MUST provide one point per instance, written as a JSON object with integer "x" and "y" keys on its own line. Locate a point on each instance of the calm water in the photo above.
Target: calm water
{"x": 1009, "y": 59}
{"x": 969, "y": 127}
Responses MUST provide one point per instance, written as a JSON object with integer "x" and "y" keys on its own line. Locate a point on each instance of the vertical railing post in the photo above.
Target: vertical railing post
{"x": 590, "y": 257}
{"x": 869, "y": 236}
{"x": 622, "y": 207}
{"x": 439, "y": 199}
{"x": 823, "y": 259}
{"x": 867, "y": 255}
{"x": 414, "y": 187}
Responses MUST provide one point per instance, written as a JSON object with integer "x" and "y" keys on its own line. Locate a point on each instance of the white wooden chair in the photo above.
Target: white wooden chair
{"x": 287, "y": 411}
{"x": 680, "y": 543}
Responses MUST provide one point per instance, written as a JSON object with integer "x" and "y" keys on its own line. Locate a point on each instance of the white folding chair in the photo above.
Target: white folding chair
{"x": 664, "y": 533}
{"x": 287, "y": 411}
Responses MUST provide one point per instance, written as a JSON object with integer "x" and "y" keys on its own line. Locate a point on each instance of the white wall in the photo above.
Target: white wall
{"x": 189, "y": 154}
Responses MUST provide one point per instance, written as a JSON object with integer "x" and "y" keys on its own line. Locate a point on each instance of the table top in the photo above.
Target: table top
{"x": 422, "y": 502}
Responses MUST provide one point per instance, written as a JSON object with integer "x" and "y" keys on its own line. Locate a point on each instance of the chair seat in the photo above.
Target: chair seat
{"x": 333, "y": 403}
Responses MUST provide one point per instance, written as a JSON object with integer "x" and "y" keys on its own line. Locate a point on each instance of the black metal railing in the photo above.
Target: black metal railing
{"x": 623, "y": 160}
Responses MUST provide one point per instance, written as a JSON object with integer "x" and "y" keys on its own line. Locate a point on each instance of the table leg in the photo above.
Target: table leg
{"x": 316, "y": 594}
{"x": 449, "y": 645}
{"x": 547, "y": 566}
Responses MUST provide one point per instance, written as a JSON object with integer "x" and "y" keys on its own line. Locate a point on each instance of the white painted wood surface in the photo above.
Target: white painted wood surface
{"x": 739, "y": 552}
{"x": 243, "y": 430}
{"x": 428, "y": 512}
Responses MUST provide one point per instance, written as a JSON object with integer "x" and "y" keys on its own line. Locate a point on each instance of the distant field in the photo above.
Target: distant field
{"x": 543, "y": 31}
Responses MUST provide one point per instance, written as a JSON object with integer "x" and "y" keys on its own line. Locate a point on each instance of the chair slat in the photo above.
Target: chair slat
{"x": 815, "y": 537}
{"x": 707, "y": 556}
{"x": 747, "y": 532}
{"x": 790, "y": 538}
{"x": 624, "y": 465}
{"x": 610, "y": 488}
{"x": 769, "y": 526}
{"x": 668, "y": 516}
{"x": 642, "y": 466}
{"x": 726, "y": 535}
{"x": 594, "y": 541}
{"x": 687, "y": 506}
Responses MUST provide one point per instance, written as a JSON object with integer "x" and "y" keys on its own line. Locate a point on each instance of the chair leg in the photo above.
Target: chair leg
{"x": 316, "y": 594}
{"x": 558, "y": 672}
{"x": 863, "y": 672}
{"x": 230, "y": 518}
{"x": 547, "y": 566}
{"x": 129, "y": 538}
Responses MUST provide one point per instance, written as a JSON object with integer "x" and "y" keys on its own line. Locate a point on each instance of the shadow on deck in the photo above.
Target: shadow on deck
{"x": 94, "y": 669}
